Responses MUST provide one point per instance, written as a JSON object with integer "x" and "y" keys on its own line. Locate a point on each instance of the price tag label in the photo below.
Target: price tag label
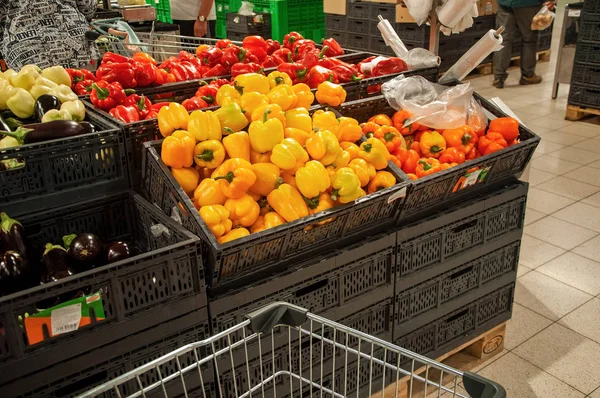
{"x": 65, "y": 319}
{"x": 574, "y": 13}
{"x": 398, "y": 195}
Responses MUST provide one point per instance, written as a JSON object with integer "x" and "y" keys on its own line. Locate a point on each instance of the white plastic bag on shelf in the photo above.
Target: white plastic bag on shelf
{"x": 419, "y": 9}
{"x": 456, "y": 16}
{"x": 420, "y": 58}
{"x": 543, "y": 19}
{"x": 247, "y": 8}
{"x": 433, "y": 105}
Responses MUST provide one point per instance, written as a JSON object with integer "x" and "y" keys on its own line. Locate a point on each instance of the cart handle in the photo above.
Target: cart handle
{"x": 278, "y": 313}
{"x": 481, "y": 387}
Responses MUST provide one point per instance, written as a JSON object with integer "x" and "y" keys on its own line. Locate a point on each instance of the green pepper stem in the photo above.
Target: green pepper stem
{"x": 228, "y": 130}
{"x": 435, "y": 149}
{"x": 279, "y": 80}
{"x": 278, "y": 182}
{"x": 229, "y": 177}
{"x": 323, "y": 51}
{"x": 207, "y": 156}
{"x": 312, "y": 203}
{"x": 101, "y": 93}
{"x": 335, "y": 194}
{"x": 367, "y": 147}
{"x": 267, "y": 112}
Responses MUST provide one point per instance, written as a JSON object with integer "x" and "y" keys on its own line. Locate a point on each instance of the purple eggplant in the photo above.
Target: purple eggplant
{"x": 86, "y": 249}
{"x": 39, "y": 132}
{"x": 15, "y": 273}
{"x": 118, "y": 251}
{"x": 13, "y": 236}
{"x": 55, "y": 264}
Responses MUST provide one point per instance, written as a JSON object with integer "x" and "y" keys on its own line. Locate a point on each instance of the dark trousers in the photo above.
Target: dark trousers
{"x": 516, "y": 20}
{"x": 186, "y": 28}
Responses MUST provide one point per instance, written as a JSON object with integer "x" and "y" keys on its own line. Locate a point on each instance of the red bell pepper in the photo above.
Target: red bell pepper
{"x": 191, "y": 104}
{"x": 290, "y": 38}
{"x": 180, "y": 72}
{"x": 301, "y": 47}
{"x": 223, "y": 44}
{"x": 365, "y": 61}
{"x": 491, "y": 142}
{"x": 156, "y": 107}
{"x": 272, "y": 46}
{"x": 333, "y": 48}
{"x": 272, "y": 61}
{"x": 114, "y": 58}
{"x": 127, "y": 114}
{"x": 162, "y": 76}
{"x": 329, "y": 63}
{"x": 297, "y": 72}
{"x": 211, "y": 56}
{"x": 141, "y": 103}
{"x": 106, "y": 95}
{"x": 240, "y": 69}
{"x": 347, "y": 73}
{"x": 169, "y": 61}
{"x": 217, "y": 70}
{"x": 208, "y": 93}
{"x": 219, "y": 82}
{"x": 145, "y": 73}
{"x": 389, "y": 66}
{"x": 312, "y": 57}
{"x": 151, "y": 115}
{"x": 79, "y": 75}
{"x": 318, "y": 75}
{"x": 122, "y": 72}
{"x": 83, "y": 87}
{"x": 185, "y": 56}
{"x": 233, "y": 55}
{"x": 191, "y": 69}
{"x": 257, "y": 46}
{"x": 285, "y": 54}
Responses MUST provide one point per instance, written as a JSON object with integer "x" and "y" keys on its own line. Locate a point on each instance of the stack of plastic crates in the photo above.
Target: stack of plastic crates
{"x": 163, "y": 10}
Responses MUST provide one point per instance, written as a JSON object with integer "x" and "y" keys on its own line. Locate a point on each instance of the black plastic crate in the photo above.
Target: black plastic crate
{"x": 358, "y": 41}
{"x": 584, "y": 95}
{"x": 276, "y": 248}
{"x": 483, "y": 24}
{"x": 591, "y": 8}
{"x": 340, "y": 37}
{"x": 336, "y": 22}
{"x": 587, "y": 52}
{"x": 362, "y": 26}
{"x": 466, "y": 281}
{"x": 377, "y": 45}
{"x": 64, "y": 171}
{"x": 442, "y": 188}
{"x": 94, "y": 367}
{"x": 589, "y": 28}
{"x": 586, "y": 74}
{"x": 544, "y": 43}
{"x": 464, "y": 230}
{"x": 165, "y": 281}
{"x": 246, "y": 24}
{"x": 408, "y": 33}
{"x": 358, "y": 9}
{"x": 386, "y": 10}
{"x": 458, "y": 43}
{"x": 441, "y": 334}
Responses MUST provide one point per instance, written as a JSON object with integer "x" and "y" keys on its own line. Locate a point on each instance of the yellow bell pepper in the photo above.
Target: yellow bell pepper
{"x": 265, "y": 134}
{"x": 299, "y": 118}
{"x": 288, "y": 178}
{"x": 346, "y": 186}
{"x": 288, "y": 203}
{"x": 209, "y": 193}
{"x": 375, "y": 152}
{"x": 304, "y": 95}
{"x": 177, "y": 150}
{"x": 273, "y": 111}
{"x": 277, "y": 78}
{"x": 312, "y": 179}
{"x": 323, "y": 146}
{"x": 382, "y": 180}
{"x": 233, "y": 235}
{"x": 187, "y": 177}
{"x": 6, "y": 90}
{"x": 326, "y": 121}
{"x": 235, "y": 177}
{"x": 251, "y": 82}
{"x": 351, "y": 148}
{"x": 21, "y": 103}
{"x": 331, "y": 94}
{"x": 432, "y": 144}
{"x": 58, "y": 75}
{"x": 269, "y": 220}
{"x": 204, "y": 125}
{"x": 232, "y": 118}
{"x": 289, "y": 155}
{"x": 257, "y": 157}
{"x": 242, "y": 211}
{"x": 363, "y": 170}
{"x": 299, "y": 135}
{"x": 172, "y": 117}
{"x": 252, "y": 100}
{"x": 26, "y": 77}
{"x": 217, "y": 219}
{"x": 267, "y": 178}
{"x": 321, "y": 203}
{"x": 227, "y": 91}
{"x": 237, "y": 145}
{"x": 209, "y": 154}
{"x": 349, "y": 129}
{"x": 284, "y": 96}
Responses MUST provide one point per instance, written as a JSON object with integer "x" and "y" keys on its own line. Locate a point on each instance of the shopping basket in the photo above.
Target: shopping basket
{"x": 341, "y": 362}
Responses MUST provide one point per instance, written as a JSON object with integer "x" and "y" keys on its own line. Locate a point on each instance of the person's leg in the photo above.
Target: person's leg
{"x": 186, "y": 28}
{"x": 529, "y": 39}
{"x": 504, "y": 17}
{"x": 212, "y": 28}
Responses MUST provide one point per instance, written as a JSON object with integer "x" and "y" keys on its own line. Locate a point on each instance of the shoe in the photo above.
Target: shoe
{"x": 498, "y": 83}
{"x": 534, "y": 79}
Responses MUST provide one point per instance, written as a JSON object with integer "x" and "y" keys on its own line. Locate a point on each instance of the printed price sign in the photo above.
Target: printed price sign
{"x": 472, "y": 177}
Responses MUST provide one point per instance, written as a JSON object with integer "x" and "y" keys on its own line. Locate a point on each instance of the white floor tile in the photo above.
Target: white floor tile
{"x": 588, "y": 145}
{"x": 582, "y": 129}
{"x": 556, "y": 136}
{"x": 568, "y": 188}
{"x": 593, "y": 200}
{"x": 546, "y": 147}
{"x": 566, "y": 355}
{"x": 576, "y": 155}
{"x": 595, "y": 394}
{"x": 544, "y": 121}
{"x": 522, "y": 270}
{"x": 559, "y": 233}
{"x": 535, "y": 252}
{"x": 537, "y": 176}
{"x": 523, "y": 325}
{"x": 581, "y": 214}
{"x": 586, "y": 174}
{"x": 532, "y": 216}
{"x": 554, "y": 165}
{"x": 574, "y": 270}
{"x": 585, "y": 320}
{"x": 589, "y": 249}
{"x": 546, "y": 202}
{"x": 548, "y": 297}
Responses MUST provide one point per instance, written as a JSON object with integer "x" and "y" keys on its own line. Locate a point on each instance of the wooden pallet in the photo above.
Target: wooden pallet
{"x": 575, "y": 112}
{"x": 488, "y": 69}
{"x": 466, "y": 357}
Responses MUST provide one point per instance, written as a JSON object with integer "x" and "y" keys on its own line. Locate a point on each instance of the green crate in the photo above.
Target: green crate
{"x": 303, "y": 16}
{"x": 221, "y": 29}
{"x": 222, "y": 7}
{"x": 163, "y": 10}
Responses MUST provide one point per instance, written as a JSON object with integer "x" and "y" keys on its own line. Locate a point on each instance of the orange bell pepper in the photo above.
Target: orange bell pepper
{"x": 269, "y": 220}
{"x": 217, "y": 219}
{"x": 233, "y": 235}
{"x": 351, "y": 148}
{"x": 409, "y": 159}
{"x": 209, "y": 193}
{"x": 257, "y": 157}
{"x": 369, "y": 128}
{"x": 446, "y": 166}
{"x": 363, "y": 170}
{"x": 462, "y": 138}
{"x": 382, "y": 180}
{"x": 391, "y": 137}
{"x": 381, "y": 119}
{"x": 474, "y": 154}
{"x": 267, "y": 178}
{"x": 349, "y": 130}
{"x": 412, "y": 176}
{"x": 235, "y": 177}
{"x": 187, "y": 177}
{"x": 178, "y": 149}
{"x": 242, "y": 211}
{"x": 507, "y": 126}
{"x": 491, "y": 142}
{"x": 427, "y": 166}
{"x": 452, "y": 155}
{"x": 400, "y": 118}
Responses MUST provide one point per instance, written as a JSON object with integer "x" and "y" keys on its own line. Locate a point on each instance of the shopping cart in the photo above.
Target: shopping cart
{"x": 299, "y": 354}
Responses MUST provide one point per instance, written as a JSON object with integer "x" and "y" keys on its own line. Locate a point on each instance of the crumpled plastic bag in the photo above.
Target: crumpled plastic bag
{"x": 419, "y": 9}
{"x": 247, "y": 8}
{"x": 463, "y": 24}
{"x": 433, "y": 105}
{"x": 543, "y": 19}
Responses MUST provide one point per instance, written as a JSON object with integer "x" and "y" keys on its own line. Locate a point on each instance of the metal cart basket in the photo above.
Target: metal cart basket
{"x": 284, "y": 350}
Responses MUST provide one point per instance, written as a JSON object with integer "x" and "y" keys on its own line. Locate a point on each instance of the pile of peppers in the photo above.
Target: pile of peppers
{"x": 261, "y": 160}
{"x": 421, "y": 151}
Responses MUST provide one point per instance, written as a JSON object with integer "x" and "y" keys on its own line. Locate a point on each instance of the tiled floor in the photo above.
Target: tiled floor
{"x": 553, "y": 339}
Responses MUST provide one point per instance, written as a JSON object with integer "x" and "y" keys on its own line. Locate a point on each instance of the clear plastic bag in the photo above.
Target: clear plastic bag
{"x": 419, "y": 9}
{"x": 247, "y": 8}
{"x": 433, "y": 105}
{"x": 543, "y": 19}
